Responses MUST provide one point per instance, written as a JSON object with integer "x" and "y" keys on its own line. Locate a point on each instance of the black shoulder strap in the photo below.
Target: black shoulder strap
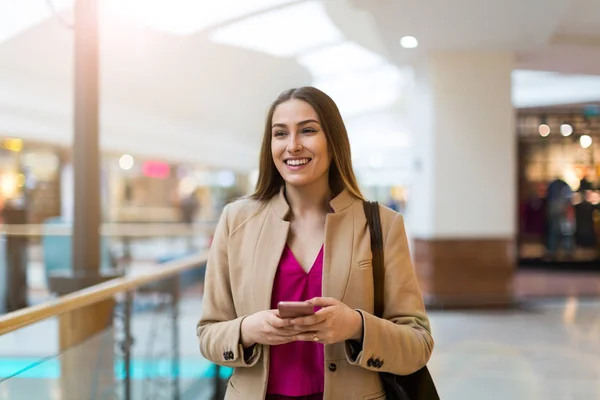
{"x": 374, "y": 222}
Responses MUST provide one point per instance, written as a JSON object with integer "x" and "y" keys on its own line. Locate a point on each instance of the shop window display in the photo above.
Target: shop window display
{"x": 559, "y": 191}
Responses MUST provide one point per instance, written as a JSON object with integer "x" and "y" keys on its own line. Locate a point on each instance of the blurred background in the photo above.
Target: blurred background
{"x": 127, "y": 125}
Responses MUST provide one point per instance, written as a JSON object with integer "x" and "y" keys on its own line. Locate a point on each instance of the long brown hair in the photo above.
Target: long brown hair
{"x": 341, "y": 174}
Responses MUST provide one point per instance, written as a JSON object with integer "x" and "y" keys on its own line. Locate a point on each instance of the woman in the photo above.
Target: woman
{"x": 303, "y": 235}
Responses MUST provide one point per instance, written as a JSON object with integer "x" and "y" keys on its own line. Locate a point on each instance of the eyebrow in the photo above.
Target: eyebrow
{"x": 307, "y": 121}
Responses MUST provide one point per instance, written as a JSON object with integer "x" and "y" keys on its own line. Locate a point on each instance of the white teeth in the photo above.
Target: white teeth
{"x": 297, "y": 162}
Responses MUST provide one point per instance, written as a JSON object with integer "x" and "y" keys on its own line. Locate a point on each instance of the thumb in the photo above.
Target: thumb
{"x": 323, "y": 301}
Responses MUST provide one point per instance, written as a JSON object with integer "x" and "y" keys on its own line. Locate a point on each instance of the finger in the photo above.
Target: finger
{"x": 309, "y": 320}
{"x": 315, "y": 337}
{"x": 306, "y": 337}
{"x": 320, "y": 327}
{"x": 323, "y": 301}
{"x": 279, "y": 323}
{"x": 283, "y": 332}
{"x": 269, "y": 330}
{"x": 275, "y": 313}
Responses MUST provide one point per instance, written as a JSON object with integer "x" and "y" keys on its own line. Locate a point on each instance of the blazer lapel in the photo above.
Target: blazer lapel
{"x": 337, "y": 254}
{"x": 339, "y": 246}
{"x": 269, "y": 247}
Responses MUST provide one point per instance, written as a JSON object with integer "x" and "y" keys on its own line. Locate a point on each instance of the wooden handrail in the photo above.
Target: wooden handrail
{"x": 94, "y": 294}
{"x": 111, "y": 229}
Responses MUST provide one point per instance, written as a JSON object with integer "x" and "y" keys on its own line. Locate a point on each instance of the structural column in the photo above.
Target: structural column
{"x": 86, "y": 154}
{"x": 87, "y": 360}
{"x": 462, "y": 214}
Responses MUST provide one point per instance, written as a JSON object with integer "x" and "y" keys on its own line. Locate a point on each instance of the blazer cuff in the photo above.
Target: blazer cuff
{"x": 251, "y": 355}
{"x": 361, "y": 354}
{"x": 233, "y": 352}
{"x": 354, "y": 347}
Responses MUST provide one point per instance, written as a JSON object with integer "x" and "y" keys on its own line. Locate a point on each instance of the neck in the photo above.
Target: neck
{"x": 309, "y": 199}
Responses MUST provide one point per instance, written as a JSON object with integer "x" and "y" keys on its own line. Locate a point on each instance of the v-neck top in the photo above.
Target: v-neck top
{"x": 297, "y": 368}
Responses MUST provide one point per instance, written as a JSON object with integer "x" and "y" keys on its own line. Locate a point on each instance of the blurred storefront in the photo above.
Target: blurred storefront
{"x": 30, "y": 177}
{"x": 38, "y": 177}
{"x": 559, "y": 188}
{"x": 140, "y": 190}
{"x": 11, "y": 188}
{"x": 151, "y": 190}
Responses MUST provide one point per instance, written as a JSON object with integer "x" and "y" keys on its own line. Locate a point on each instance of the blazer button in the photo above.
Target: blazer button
{"x": 332, "y": 367}
{"x": 370, "y": 363}
{"x": 225, "y": 355}
{"x": 231, "y": 355}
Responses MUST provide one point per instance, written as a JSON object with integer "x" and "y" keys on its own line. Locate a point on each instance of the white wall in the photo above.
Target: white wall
{"x": 464, "y": 181}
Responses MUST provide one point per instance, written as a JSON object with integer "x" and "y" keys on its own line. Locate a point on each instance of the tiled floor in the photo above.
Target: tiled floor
{"x": 531, "y": 284}
{"x": 548, "y": 351}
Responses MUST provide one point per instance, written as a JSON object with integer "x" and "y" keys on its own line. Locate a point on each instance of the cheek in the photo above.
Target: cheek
{"x": 324, "y": 151}
{"x": 275, "y": 151}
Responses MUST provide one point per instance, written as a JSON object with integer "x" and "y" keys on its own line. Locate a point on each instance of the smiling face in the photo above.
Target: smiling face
{"x": 298, "y": 144}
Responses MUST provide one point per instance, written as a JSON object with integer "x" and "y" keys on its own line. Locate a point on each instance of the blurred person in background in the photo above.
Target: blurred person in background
{"x": 302, "y": 235}
{"x": 533, "y": 213}
{"x": 189, "y": 207}
{"x": 585, "y": 235}
{"x": 560, "y": 219}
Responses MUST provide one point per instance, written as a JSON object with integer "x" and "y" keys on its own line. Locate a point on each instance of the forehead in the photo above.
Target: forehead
{"x": 294, "y": 111}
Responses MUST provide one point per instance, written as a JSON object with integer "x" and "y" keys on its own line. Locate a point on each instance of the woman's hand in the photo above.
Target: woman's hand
{"x": 265, "y": 327}
{"x": 335, "y": 322}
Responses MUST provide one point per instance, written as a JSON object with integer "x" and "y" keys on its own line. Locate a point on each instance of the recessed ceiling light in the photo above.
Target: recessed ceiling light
{"x": 409, "y": 42}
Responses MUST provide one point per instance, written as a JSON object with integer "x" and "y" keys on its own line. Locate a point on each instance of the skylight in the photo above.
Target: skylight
{"x": 18, "y": 16}
{"x": 540, "y": 88}
{"x": 177, "y": 17}
{"x": 184, "y": 17}
{"x": 283, "y": 32}
{"x": 339, "y": 58}
{"x": 363, "y": 91}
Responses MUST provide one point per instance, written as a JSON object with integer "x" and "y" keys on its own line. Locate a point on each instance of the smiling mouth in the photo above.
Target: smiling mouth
{"x": 297, "y": 162}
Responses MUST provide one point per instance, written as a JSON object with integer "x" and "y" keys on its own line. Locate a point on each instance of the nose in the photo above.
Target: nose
{"x": 294, "y": 145}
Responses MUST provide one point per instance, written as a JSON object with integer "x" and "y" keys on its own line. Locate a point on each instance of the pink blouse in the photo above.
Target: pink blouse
{"x": 297, "y": 368}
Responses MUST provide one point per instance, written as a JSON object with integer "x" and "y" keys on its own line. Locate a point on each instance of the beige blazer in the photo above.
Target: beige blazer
{"x": 247, "y": 246}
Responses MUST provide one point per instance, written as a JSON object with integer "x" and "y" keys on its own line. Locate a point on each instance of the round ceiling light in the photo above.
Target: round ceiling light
{"x": 126, "y": 162}
{"x": 409, "y": 42}
{"x": 566, "y": 130}
{"x": 544, "y": 130}
{"x": 585, "y": 141}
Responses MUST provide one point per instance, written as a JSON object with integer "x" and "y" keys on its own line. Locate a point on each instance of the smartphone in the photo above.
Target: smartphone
{"x": 294, "y": 309}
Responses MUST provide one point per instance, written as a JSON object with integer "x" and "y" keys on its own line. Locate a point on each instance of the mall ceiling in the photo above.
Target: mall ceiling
{"x": 191, "y": 80}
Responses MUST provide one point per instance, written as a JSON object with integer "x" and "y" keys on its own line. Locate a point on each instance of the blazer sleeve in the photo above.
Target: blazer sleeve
{"x": 219, "y": 327}
{"x": 399, "y": 343}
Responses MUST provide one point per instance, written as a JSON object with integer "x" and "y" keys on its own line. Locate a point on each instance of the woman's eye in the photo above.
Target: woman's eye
{"x": 309, "y": 130}
{"x": 279, "y": 133}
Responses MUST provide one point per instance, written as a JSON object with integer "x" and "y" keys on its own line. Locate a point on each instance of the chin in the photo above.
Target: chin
{"x": 303, "y": 181}
{"x": 299, "y": 181}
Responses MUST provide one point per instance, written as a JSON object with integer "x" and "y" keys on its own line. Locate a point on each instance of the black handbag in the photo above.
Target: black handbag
{"x": 418, "y": 385}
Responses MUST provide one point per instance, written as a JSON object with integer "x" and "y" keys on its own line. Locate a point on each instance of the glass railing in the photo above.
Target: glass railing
{"x": 28, "y": 362}
{"x": 146, "y": 348}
